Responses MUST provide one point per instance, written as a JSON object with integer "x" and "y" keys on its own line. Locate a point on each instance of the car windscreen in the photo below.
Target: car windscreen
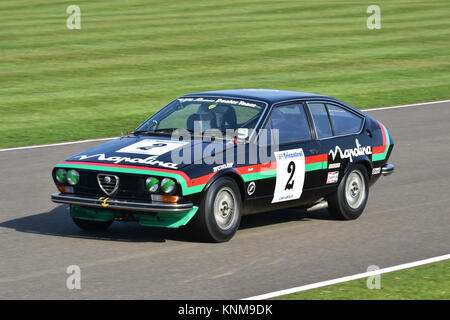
{"x": 205, "y": 113}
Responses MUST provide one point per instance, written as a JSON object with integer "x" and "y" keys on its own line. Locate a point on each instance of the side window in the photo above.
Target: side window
{"x": 291, "y": 123}
{"x": 344, "y": 122}
{"x": 321, "y": 121}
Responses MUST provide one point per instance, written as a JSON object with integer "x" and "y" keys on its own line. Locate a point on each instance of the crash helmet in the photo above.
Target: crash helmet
{"x": 206, "y": 117}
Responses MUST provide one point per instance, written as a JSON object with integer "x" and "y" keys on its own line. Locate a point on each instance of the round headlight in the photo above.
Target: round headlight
{"x": 73, "y": 177}
{"x": 167, "y": 185}
{"x": 152, "y": 184}
{"x": 61, "y": 175}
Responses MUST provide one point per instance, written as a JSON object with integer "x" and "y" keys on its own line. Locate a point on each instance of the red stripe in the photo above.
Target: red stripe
{"x": 379, "y": 149}
{"x": 202, "y": 180}
{"x": 315, "y": 159}
{"x": 257, "y": 168}
{"x": 181, "y": 173}
{"x": 121, "y": 166}
{"x": 205, "y": 178}
{"x": 273, "y": 165}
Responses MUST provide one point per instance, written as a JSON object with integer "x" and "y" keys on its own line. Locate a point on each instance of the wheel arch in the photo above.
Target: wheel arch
{"x": 363, "y": 160}
{"x": 231, "y": 173}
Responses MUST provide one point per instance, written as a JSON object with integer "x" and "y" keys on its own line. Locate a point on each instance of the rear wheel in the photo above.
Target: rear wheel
{"x": 91, "y": 225}
{"x": 350, "y": 199}
{"x": 219, "y": 214}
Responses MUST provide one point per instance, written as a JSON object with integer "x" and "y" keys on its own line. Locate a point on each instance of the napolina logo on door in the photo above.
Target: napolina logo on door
{"x": 350, "y": 153}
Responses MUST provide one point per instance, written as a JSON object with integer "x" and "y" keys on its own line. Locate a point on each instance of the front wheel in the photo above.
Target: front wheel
{"x": 219, "y": 214}
{"x": 350, "y": 199}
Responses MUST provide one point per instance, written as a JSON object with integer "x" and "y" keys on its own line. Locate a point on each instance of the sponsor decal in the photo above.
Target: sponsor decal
{"x": 350, "y": 153}
{"x": 290, "y": 175}
{"x": 220, "y": 100}
{"x": 376, "y": 171}
{"x": 196, "y": 99}
{"x": 153, "y": 147}
{"x": 334, "y": 165}
{"x": 251, "y": 188}
{"x": 333, "y": 177}
{"x": 223, "y": 166}
{"x": 115, "y": 159}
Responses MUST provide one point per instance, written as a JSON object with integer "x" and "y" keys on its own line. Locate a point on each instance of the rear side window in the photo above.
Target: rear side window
{"x": 321, "y": 121}
{"x": 344, "y": 121}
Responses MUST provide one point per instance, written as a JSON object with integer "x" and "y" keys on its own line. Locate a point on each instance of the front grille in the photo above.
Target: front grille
{"x": 108, "y": 183}
{"x": 131, "y": 186}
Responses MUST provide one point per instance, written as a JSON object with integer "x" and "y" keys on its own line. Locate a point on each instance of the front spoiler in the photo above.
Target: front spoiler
{"x": 123, "y": 205}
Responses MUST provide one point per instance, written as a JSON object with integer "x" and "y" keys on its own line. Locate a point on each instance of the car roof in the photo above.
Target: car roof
{"x": 266, "y": 95}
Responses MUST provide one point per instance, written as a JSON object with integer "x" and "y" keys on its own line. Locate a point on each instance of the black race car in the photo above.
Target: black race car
{"x": 208, "y": 158}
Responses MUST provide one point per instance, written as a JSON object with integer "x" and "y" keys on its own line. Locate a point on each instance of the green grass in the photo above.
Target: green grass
{"x": 425, "y": 282}
{"x": 132, "y": 57}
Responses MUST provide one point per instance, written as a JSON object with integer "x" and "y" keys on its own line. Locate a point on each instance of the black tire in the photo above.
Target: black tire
{"x": 91, "y": 225}
{"x": 339, "y": 207}
{"x": 205, "y": 225}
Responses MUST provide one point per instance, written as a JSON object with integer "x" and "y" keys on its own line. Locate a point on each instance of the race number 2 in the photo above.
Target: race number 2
{"x": 290, "y": 175}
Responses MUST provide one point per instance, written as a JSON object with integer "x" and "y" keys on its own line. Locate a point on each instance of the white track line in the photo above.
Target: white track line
{"x": 56, "y": 144}
{"x": 406, "y": 105}
{"x": 104, "y": 139}
{"x": 349, "y": 278}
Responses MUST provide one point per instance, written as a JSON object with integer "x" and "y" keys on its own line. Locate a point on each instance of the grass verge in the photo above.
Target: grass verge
{"x": 130, "y": 58}
{"x": 425, "y": 282}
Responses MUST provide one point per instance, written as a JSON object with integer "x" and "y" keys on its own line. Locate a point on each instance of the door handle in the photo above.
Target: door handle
{"x": 314, "y": 151}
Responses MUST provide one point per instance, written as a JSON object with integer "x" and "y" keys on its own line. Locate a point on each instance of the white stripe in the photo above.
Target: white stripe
{"x": 56, "y": 144}
{"x": 406, "y": 105}
{"x": 104, "y": 139}
{"x": 349, "y": 278}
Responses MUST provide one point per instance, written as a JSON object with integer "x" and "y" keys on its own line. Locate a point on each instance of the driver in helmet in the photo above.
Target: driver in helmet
{"x": 206, "y": 117}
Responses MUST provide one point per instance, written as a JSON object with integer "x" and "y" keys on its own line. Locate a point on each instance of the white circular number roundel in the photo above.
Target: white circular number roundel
{"x": 290, "y": 175}
{"x": 153, "y": 147}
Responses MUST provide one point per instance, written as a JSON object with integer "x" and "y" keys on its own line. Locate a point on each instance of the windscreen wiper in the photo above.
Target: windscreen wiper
{"x": 171, "y": 130}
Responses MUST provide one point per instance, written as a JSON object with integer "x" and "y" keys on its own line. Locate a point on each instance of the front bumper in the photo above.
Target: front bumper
{"x": 122, "y": 205}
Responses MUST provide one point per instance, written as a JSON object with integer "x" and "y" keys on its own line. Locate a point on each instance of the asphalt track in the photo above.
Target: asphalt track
{"x": 407, "y": 219}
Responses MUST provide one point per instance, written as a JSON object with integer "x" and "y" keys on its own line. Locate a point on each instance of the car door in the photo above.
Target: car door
{"x": 338, "y": 130}
{"x": 294, "y": 153}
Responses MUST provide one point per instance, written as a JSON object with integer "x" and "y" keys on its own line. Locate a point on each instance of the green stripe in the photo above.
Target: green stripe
{"x": 316, "y": 166}
{"x": 259, "y": 175}
{"x": 185, "y": 189}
